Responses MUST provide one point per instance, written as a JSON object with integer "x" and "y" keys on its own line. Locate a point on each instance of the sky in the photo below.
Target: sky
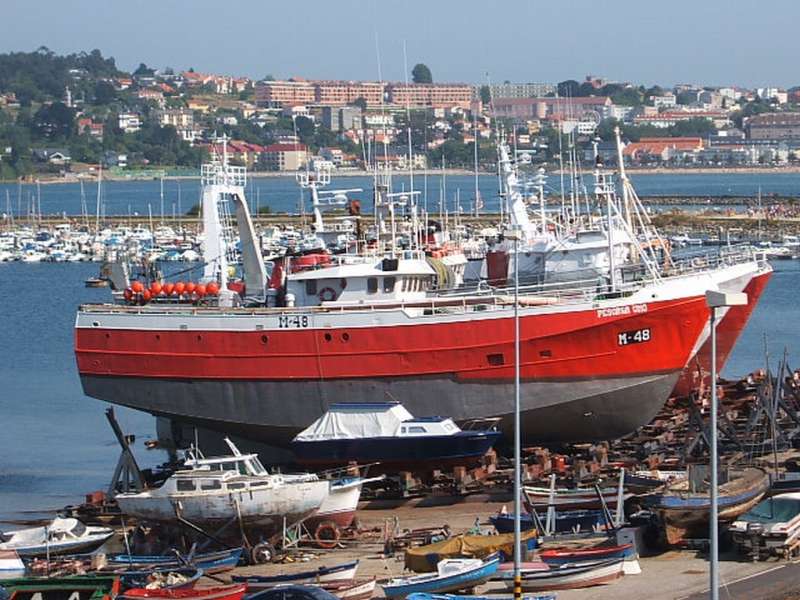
{"x": 712, "y": 42}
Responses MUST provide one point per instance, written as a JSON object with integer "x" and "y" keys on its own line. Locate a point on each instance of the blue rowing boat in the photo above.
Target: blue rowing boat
{"x": 342, "y": 572}
{"x": 209, "y": 562}
{"x": 452, "y": 575}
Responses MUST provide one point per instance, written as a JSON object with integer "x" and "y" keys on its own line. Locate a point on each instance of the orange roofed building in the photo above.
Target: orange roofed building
{"x": 661, "y": 148}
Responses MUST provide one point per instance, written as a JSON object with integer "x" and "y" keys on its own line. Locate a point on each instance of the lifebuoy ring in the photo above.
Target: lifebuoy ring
{"x": 327, "y": 294}
{"x": 327, "y": 535}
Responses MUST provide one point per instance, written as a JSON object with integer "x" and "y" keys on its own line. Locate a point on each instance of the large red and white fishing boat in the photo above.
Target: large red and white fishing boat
{"x": 597, "y": 359}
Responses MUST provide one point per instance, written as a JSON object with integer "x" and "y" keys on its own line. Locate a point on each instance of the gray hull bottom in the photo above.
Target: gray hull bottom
{"x": 273, "y": 412}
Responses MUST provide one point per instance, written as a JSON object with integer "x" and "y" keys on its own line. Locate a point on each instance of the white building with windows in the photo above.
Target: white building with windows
{"x": 129, "y": 122}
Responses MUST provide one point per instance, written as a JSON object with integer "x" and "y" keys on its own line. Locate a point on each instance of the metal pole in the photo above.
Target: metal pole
{"x": 714, "y": 533}
{"x": 517, "y": 436}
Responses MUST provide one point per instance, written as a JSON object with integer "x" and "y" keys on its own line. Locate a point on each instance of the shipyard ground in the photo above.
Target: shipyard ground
{"x": 672, "y": 575}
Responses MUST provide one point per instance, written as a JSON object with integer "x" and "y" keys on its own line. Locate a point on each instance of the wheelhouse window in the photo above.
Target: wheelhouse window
{"x": 388, "y": 284}
{"x": 311, "y": 287}
{"x": 417, "y": 429}
{"x": 211, "y": 484}
{"x": 184, "y": 485}
{"x": 236, "y": 486}
{"x": 372, "y": 285}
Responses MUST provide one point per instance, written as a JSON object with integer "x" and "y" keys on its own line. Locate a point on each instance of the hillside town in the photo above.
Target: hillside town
{"x": 70, "y": 116}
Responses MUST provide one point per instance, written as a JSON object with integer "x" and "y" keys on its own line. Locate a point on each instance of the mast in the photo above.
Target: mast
{"x": 162, "y": 198}
{"x": 475, "y": 162}
{"x": 97, "y": 210}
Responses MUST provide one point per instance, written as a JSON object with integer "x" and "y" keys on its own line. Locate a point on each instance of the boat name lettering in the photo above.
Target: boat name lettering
{"x": 638, "y": 336}
{"x": 616, "y": 311}
{"x": 293, "y": 321}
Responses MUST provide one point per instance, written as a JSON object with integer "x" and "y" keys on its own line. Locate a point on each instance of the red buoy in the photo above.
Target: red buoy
{"x": 200, "y": 290}
{"x": 155, "y": 288}
{"x": 169, "y": 288}
{"x": 190, "y": 287}
{"x": 146, "y": 295}
{"x": 137, "y": 287}
{"x": 212, "y": 289}
{"x": 180, "y": 287}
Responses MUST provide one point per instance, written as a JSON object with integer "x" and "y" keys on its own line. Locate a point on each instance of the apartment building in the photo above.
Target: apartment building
{"x": 285, "y": 157}
{"x": 284, "y": 93}
{"x": 774, "y": 126}
{"x": 519, "y": 90}
{"x": 340, "y": 93}
{"x": 430, "y": 95}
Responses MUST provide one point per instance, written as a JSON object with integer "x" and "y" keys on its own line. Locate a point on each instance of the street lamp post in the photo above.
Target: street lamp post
{"x": 515, "y": 235}
{"x": 716, "y": 300}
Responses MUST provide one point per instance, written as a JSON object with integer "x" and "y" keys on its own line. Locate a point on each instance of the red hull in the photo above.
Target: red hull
{"x": 728, "y": 330}
{"x": 556, "y": 346}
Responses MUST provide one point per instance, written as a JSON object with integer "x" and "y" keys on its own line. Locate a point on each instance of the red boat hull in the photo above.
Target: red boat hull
{"x": 729, "y": 327}
{"x": 579, "y": 380}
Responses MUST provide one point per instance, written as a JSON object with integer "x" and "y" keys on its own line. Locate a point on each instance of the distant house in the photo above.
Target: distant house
{"x": 115, "y": 159}
{"x": 54, "y": 156}
{"x": 129, "y": 122}
{"x": 661, "y": 148}
{"x": 86, "y": 125}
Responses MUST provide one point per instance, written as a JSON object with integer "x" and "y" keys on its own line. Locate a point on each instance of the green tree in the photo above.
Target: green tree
{"x": 568, "y": 88}
{"x": 486, "y": 94}
{"x": 305, "y": 129}
{"x": 144, "y": 71}
{"x": 104, "y": 93}
{"x": 421, "y": 74}
{"x": 54, "y": 121}
{"x": 360, "y": 102}
{"x": 627, "y": 97}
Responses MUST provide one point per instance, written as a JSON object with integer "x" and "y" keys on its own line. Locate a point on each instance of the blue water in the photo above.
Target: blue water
{"x": 55, "y": 444}
{"x": 282, "y": 194}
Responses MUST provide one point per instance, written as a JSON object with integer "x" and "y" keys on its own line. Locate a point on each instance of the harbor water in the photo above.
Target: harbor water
{"x": 55, "y": 443}
{"x": 282, "y": 194}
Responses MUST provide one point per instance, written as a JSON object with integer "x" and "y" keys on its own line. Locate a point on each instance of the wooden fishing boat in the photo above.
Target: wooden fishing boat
{"x": 683, "y": 507}
{"x": 209, "y": 562}
{"x": 57, "y": 588}
{"x": 452, "y": 575}
{"x": 566, "y": 521}
{"x": 570, "y": 499}
{"x": 356, "y": 589}
{"x": 161, "y": 578}
{"x": 570, "y": 577}
{"x": 342, "y": 572}
{"x": 557, "y": 557}
{"x": 562, "y": 556}
{"x": 225, "y": 592}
